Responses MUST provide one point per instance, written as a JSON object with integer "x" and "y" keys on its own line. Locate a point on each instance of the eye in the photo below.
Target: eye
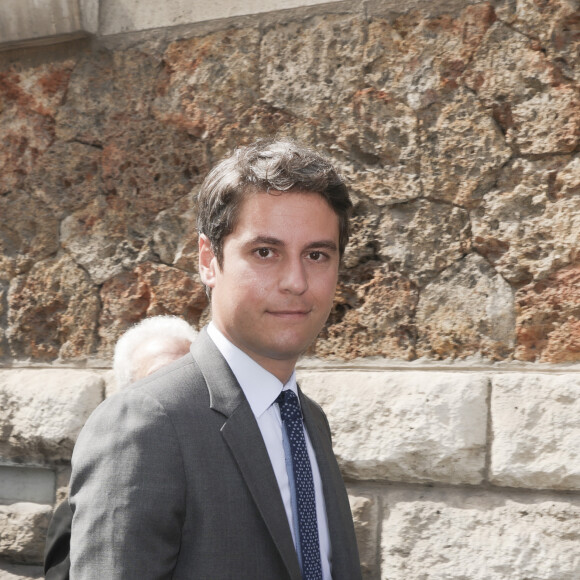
{"x": 316, "y": 256}
{"x": 264, "y": 252}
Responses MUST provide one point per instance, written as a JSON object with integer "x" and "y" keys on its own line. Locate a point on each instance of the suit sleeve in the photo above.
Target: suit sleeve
{"x": 127, "y": 492}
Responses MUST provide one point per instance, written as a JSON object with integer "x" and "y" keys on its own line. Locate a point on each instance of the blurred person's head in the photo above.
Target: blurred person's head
{"x": 150, "y": 345}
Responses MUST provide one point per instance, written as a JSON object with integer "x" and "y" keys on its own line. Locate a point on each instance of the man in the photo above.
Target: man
{"x": 149, "y": 345}
{"x": 205, "y": 470}
{"x": 143, "y": 349}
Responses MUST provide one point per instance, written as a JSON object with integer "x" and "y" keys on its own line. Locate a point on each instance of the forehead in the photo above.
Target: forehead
{"x": 286, "y": 212}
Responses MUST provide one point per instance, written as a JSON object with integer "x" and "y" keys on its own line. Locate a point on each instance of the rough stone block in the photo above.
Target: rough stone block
{"x": 536, "y": 434}
{"x": 29, "y": 103}
{"x": 525, "y": 92}
{"x": 467, "y": 310}
{"x": 471, "y": 534}
{"x": 405, "y": 426}
{"x": 370, "y": 329}
{"x": 52, "y": 312}
{"x": 528, "y": 225}
{"x": 44, "y": 410}
{"x": 423, "y": 238}
{"x": 365, "y": 513}
{"x": 554, "y": 24}
{"x": 460, "y": 125}
{"x": 23, "y": 529}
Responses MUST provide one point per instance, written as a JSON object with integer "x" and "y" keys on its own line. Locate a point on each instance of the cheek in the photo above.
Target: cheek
{"x": 325, "y": 286}
{"x": 248, "y": 289}
{"x": 256, "y": 285}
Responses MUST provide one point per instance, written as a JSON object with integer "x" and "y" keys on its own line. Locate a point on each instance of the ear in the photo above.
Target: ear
{"x": 207, "y": 261}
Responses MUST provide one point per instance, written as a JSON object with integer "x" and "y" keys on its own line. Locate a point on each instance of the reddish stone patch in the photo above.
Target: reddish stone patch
{"x": 10, "y": 90}
{"x": 548, "y": 318}
{"x": 474, "y": 23}
{"x": 149, "y": 290}
{"x": 52, "y": 312}
{"x": 152, "y": 164}
{"x": 371, "y": 318}
{"x": 55, "y": 80}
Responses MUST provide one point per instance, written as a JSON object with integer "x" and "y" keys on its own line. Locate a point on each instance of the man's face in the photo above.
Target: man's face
{"x": 276, "y": 287}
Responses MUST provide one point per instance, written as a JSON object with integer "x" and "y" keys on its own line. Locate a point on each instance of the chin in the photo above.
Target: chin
{"x": 286, "y": 351}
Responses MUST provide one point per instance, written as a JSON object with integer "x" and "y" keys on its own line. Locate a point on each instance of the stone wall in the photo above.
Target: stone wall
{"x": 450, "y": 365}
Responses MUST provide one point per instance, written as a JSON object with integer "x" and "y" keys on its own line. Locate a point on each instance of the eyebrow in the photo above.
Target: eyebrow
{"x": 271, "y": 241}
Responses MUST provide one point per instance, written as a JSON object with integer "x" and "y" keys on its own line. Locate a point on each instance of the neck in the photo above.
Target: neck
{"x": 282, "y": 369}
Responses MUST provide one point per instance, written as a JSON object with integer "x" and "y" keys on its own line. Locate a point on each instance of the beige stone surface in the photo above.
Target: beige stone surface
{"x": 23, "y": 529}
{"x": 554, "y": 24}
{"x": 44, "y": 410}
{"x": 405, "y": 426}
{"x": 20, "y": 483}
{"x": 375, "y": 141}
{"x": 66, "y": 178}
{"x": 468, "y": 309}
{"x": 20, "y": 572}
{"x": 536, "y": 434}
{"x": 28, "y": 233}
{"x": 453, "y": 534}
{"x": 135, "y": 15}
{"x": 422, "y": 238}
{"x": 201, "y": 76}
{"x": 418, "y": 58}
{"x": 27, "y": 20}
{"x": 312, "y": 69}
{"x": 96, "y": 238}
{"x": 175, "y": 234}
{"x": 104, "y": 94}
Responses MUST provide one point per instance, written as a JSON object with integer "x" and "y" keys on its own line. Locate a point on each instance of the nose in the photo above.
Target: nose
{"x": 294, "y": 278}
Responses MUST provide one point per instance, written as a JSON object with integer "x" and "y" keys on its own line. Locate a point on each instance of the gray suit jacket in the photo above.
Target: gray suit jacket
{"x": 171, "y": 479}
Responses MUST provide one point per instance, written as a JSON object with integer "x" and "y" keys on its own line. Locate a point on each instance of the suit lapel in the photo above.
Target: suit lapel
{"x": 242, "y": 435}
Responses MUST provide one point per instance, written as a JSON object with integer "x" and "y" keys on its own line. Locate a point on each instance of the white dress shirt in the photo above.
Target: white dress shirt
{"x": 261, "y": 389}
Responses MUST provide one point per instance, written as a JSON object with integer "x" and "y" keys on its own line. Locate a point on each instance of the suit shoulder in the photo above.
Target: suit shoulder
{"x": 176, "y": 380}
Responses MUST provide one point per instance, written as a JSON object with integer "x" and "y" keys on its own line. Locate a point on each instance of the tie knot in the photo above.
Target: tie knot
{"x": 289, "y": 406}
{"x": 287, "y": 397}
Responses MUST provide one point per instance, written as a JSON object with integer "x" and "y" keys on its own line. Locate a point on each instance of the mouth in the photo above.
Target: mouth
{"x": 289, "y": 314}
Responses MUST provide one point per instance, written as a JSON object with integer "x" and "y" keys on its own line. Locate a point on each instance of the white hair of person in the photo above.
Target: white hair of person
{"x": 166, "y": 328}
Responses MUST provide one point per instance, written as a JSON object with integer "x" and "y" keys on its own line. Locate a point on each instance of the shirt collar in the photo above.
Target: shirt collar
{"x": 260, "y": 387}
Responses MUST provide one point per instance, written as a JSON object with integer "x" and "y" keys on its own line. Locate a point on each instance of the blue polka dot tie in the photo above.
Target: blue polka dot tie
{"x": 304, "y": 485}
